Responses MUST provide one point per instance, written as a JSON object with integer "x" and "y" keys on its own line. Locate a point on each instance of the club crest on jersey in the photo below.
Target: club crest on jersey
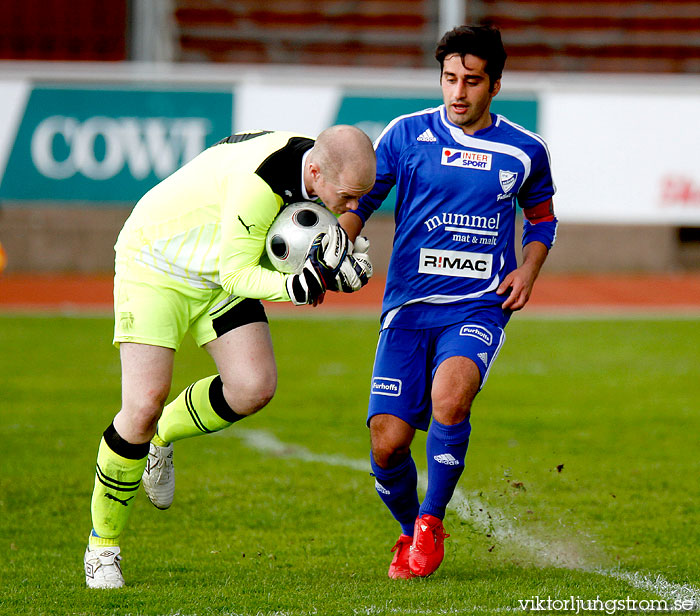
{"x": 466, "y": 159}
{"x": 507, "y": 179}
{"x": 455, "y": 263}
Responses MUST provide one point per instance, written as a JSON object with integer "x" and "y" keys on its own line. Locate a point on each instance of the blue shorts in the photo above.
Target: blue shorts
{"x": 407, "y": 359}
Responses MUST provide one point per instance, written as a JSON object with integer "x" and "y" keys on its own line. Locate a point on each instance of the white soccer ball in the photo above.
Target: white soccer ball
{"x": 293, "y": 231}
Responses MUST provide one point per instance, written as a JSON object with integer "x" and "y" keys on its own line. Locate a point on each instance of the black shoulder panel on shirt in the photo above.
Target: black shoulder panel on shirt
{"x": 238, "y": 137}
{"x": 281, "y": 170}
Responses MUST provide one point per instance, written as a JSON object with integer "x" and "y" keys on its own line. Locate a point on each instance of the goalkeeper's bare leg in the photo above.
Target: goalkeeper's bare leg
{"x": 247, "y": 382}
{"x": 245, "y": 360}
{"x": 121, "y": 457}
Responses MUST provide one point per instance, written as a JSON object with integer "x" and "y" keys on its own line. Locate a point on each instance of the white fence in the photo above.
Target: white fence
{"x": 624, "y": 148}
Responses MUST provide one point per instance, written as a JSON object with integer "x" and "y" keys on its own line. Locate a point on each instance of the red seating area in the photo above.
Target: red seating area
{"x": 367, "y": 33}
{"x": 58, "y": 30}
{"x": 542, "y": 35}
{"x": 659, "y": 36}
{"x": 597, "y": 35}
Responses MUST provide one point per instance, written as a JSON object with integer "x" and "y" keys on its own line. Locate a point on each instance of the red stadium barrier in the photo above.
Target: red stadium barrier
{"x": 671, "y": 293}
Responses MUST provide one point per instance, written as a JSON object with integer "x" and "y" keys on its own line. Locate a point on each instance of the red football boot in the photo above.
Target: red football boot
{"x": 398, "y": 569}
{"x": 427, "y": 549}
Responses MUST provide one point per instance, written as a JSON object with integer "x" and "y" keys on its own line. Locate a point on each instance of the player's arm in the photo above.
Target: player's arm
{"x": 518, "y": 284}
{"x": 539, "y": 232}
{"x": 387, "y": 147}
{"x": 352, "y": 224}
{"x": 247, "y": 211}
{"x": 357, "y": 268}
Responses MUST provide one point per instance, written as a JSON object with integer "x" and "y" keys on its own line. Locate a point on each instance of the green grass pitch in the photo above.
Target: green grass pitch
{"x": 582, "y": 478}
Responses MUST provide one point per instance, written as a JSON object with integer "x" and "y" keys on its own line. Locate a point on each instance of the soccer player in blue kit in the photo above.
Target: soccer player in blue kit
{"x": 453, "y": 278}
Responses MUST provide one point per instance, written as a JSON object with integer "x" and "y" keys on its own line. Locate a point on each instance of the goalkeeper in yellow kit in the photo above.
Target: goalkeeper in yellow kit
{"x": 188, "y": 259}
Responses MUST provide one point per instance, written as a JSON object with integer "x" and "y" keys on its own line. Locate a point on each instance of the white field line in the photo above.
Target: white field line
{"x": 485, "y": 518}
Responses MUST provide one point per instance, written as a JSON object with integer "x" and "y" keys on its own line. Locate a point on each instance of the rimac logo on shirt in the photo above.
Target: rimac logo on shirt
{"x": 455, "y": 263}
{"x": 466, "y": 159}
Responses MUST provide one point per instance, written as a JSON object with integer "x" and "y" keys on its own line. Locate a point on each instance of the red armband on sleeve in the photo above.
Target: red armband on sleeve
{"x": 542, "y": 212}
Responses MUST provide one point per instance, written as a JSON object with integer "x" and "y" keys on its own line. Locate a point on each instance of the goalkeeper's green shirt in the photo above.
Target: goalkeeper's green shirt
{"x": 205, "y": 225}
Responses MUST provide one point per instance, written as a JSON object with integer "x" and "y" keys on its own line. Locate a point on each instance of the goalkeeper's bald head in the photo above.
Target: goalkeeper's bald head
{"x": 344, "y": 154}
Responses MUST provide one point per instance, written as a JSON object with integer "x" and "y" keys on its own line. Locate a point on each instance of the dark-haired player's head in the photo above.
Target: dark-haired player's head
{"x": 481, "y": 41}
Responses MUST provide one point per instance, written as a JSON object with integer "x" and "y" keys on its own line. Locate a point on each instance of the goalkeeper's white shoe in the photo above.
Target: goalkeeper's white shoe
{"x": 159, "y": 476}
{"x": 102, "y": 568}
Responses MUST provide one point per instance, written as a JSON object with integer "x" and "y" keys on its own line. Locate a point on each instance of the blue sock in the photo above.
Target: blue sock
{"x": 447, "y": 448}
{"x": 397, "y": 487}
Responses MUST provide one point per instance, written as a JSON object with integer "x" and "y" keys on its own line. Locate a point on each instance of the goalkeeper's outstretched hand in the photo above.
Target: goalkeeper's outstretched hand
{"x": 325, "y": 259}
{"x": 356, "y": 269}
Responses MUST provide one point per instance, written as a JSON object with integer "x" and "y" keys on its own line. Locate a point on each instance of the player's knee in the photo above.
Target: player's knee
{"x": 451, "y": 409}
{"x": 252, "y": 396}
{"x": 455, "y": 385}
{"x": 260, "y": 398}
{"x": 387, "y": 455}
{"x": 391, "y": 440}
{"x": 150, "y": 402}
{"x": 143, "y": 410}
{"x": 453, "y": 405}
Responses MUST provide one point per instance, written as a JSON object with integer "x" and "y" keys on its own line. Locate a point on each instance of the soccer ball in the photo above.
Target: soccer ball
{"x": 292, "y": 233}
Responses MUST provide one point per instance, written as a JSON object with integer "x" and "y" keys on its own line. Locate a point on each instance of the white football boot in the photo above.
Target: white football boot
{"x": 159, "y": 476}
{"x": 102, "y": 569}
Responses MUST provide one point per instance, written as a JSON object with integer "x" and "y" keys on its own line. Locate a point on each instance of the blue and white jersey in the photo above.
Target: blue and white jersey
{"x": 456, "y": 197}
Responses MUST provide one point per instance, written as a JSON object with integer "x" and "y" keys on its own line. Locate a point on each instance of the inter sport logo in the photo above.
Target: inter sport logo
{"x": 455, "y": 263}
{"x": 466, "y": 159}
{"x": 386, "y": 387}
